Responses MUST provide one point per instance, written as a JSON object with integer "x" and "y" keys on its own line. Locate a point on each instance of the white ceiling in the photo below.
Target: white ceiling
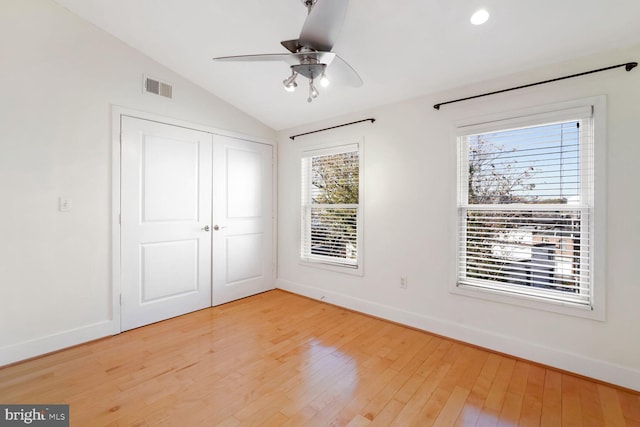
{"x": 401, "y": 48}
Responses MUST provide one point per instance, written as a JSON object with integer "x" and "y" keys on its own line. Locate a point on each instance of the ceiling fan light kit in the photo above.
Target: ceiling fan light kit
{"x": 310, "y": 54}
{"x": 311, "y": 69}
{"x": 289, "y": 83}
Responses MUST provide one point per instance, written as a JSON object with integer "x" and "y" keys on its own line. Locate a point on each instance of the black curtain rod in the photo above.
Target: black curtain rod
{"x": 332, "y": 127}
{"x": 628, "y": 66}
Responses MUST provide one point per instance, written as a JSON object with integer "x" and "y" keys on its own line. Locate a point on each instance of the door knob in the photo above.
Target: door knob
{"x": 206, "y": 228}
{"x": 217, "y": 227}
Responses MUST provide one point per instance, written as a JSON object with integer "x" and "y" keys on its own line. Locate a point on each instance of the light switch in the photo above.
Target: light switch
{"x": 64, "y": 204}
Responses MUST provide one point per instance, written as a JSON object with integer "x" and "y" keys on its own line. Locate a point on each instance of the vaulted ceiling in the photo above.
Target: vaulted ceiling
{"x": 401, "y": 48}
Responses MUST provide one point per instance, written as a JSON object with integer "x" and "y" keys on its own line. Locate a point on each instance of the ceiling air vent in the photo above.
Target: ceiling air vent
{"x": 157, "y": 87}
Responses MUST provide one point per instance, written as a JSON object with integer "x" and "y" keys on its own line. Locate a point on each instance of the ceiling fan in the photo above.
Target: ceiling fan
{"x": 310, "y": 54}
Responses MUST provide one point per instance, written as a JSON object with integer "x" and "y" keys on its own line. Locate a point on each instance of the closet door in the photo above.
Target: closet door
{"x": 166, "y": 202}
{"x": 243, "y": 218}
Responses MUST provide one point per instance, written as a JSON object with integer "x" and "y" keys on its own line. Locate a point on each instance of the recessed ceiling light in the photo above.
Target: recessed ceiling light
{"x": 480, "y": 17}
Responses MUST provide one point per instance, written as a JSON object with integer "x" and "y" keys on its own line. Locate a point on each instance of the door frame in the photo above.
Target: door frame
{"x": 117, "y": 112}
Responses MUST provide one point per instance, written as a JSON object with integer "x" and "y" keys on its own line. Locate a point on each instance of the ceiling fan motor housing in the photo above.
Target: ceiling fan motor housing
{"x": 310, "y": 67}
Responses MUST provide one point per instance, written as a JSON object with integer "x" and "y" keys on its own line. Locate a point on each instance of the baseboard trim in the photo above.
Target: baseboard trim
{"x": 575, "y": 363}
{"x": 40, "y": 346}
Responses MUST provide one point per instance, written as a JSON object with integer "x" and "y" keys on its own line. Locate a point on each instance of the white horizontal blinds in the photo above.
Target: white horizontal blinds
{"x": 536, "y": 249}
{"x": 330, "y": 205}
{"x": 525, "y": 206}
{"x": 533, "y": 165}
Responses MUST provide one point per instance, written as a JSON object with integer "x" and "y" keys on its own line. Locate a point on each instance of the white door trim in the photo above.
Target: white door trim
{"x": 116, "y": 113}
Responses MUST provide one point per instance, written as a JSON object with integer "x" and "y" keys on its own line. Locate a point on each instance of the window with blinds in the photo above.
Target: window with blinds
{"x": 330, "y": 212}
{"x": 525, "y": 206}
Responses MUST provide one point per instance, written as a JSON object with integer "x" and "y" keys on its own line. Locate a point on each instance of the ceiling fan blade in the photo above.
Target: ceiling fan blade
{"x": 342, "y": 73}
{"x": 289, "y": 58}
{"x": 322, "y": 27}
{"x": 267, "y": 57}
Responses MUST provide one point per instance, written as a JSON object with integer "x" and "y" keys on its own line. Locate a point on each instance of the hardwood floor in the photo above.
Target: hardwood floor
{"x": 280, "y": 359}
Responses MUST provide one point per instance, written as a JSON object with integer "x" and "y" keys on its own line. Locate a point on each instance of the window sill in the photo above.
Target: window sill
{"x": 345, "y": 269}
{"x": 532, "y": 302}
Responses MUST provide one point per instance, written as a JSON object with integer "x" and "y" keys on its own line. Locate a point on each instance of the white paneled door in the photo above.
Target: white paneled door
{"x": 166, "y": 202}
{"x": 196, "y": 220}
{"x": 242, "y": 211}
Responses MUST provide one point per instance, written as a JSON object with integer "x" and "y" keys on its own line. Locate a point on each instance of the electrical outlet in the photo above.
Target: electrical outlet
{"x": 403, "y": 282}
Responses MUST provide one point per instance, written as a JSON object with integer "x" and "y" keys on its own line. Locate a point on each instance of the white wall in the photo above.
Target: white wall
{"x": 60, "y": 77}
{"x": 410, "y": 220}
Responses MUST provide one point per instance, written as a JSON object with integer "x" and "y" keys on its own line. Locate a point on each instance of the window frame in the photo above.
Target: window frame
{"x": 325, "y": 150}
{"x": 597, "y": 194}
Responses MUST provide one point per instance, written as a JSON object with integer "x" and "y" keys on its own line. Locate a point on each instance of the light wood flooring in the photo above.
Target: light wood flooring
{"x": 280, "y": 359}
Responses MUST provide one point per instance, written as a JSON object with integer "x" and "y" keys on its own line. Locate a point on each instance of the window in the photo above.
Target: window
{"x": 330, "y": 209}
{"x": 526, "y": 207}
